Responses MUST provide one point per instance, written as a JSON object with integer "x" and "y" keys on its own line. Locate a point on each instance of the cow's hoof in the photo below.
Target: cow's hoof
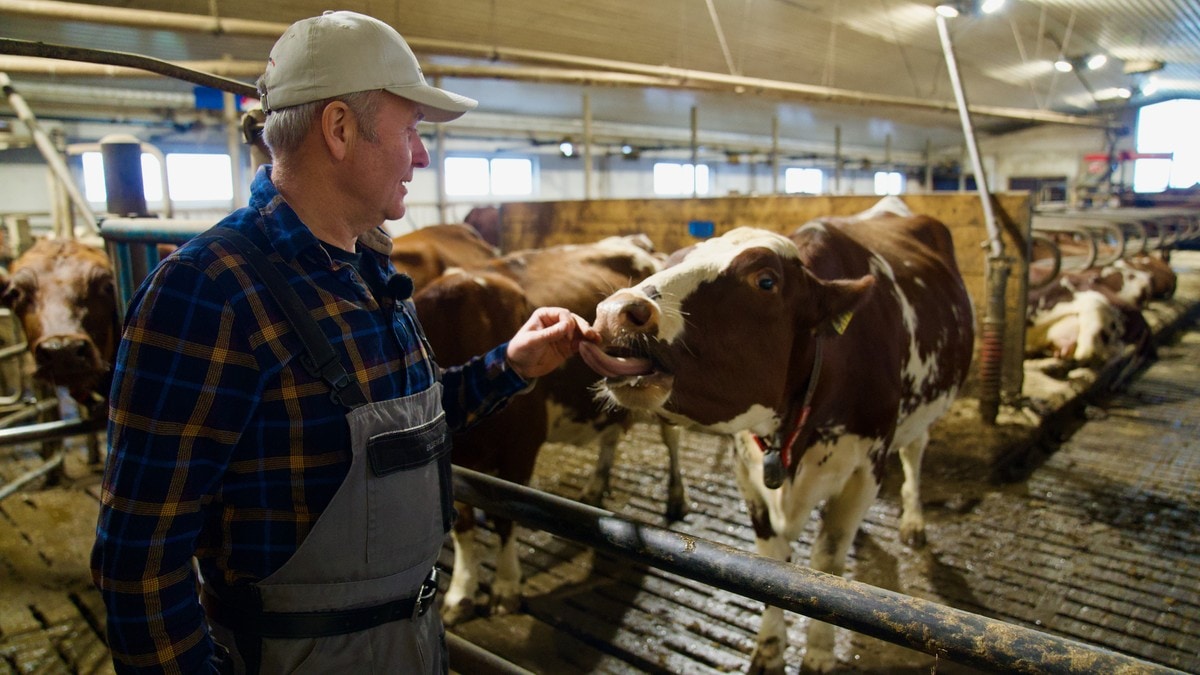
{"x": 913, "y": 537}
{"x": 505, "y": 602}
{"x": 767, "y": 658}
{"x": 592, "y": 496}
{"x": 505, "y": 598}
{"x": 456, "y": 613}
{"x": 676, "y": 511}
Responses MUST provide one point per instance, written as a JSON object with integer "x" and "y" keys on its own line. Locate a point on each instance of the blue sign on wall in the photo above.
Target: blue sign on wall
{"x": 701, "y": 229}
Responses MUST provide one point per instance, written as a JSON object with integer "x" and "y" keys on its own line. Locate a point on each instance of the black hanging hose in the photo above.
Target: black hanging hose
{"x": 125, "y": 60}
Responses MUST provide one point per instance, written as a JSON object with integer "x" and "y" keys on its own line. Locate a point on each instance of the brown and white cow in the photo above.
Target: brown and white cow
{"x": 467, "y": 311}
{"x": 1162, "y": 278}
{"x": 425, "y": 253}
{"x": 1088, "y": 317}
{"x": 63, "y": 292}
{"x": 823, "y": 353}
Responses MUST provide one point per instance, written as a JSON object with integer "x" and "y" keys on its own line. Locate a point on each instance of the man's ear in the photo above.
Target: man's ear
{"x": 337, "y": 128}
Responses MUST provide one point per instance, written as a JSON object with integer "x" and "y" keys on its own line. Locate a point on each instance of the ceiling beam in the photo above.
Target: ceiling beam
{"x": 670, "y": 77}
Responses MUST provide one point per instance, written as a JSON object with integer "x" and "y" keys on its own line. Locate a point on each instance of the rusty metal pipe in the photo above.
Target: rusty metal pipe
{"x": 949, "y": 633}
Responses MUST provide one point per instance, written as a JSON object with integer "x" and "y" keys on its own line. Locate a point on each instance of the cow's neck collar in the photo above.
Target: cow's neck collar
{"x": 777, "y": 454}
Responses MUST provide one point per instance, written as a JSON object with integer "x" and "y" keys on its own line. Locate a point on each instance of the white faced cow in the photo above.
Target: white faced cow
{"x": 823, "y": 353}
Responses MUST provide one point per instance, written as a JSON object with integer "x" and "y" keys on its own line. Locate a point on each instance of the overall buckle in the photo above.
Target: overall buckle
{"x": 426, "y": 594}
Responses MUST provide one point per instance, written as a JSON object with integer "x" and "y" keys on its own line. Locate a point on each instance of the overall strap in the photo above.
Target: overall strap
{"x": 319, "y": 359}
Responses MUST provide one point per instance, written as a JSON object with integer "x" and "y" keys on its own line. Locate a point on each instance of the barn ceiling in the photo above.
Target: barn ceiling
{"x": 868, "y": 74}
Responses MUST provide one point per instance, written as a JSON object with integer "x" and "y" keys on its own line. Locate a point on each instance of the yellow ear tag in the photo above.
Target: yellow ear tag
{"x": 840, "y": 322}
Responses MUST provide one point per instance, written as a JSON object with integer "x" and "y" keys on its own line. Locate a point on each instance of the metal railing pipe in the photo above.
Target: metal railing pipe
{"x": 949, "y": 633}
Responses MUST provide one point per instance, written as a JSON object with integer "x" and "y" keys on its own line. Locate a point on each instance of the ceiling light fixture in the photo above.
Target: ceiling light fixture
{"x": 567, "y": 148}
{"x": 1096, "y": 61}
{"x": 1063, "y": 66}
{"x": 991, "y": 6}
{"x": 947, "y": 10}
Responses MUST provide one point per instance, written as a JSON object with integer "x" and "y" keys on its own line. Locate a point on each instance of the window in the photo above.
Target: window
{"x": 1168, "y": 127}
{"x": 193, "y": 177}
{"x": 480, "y": 176}
{"x": 676, "y": 179}
{"x": 200, "y": 178}
{"x": 889, "y": 182}
{"x": 805, "y": 181}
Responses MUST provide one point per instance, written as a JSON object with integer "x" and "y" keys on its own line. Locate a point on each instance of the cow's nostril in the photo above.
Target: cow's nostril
{"x": 637, "y": 313}
{"x": 57, "y": 348}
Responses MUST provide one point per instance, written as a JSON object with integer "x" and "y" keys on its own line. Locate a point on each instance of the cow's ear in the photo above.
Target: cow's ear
{"x": 837, "y": 301}
{"x": 7, "y": 290}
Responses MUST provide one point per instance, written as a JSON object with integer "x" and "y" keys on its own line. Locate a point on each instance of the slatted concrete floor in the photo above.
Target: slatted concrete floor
{"x": 1100, "y": 543}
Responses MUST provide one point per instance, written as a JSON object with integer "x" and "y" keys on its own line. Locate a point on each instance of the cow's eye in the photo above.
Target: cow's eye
{"x": 766, "y": 281}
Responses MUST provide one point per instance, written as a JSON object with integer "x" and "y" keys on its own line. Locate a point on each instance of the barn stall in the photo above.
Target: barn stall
{"x": 1079, "y": 557}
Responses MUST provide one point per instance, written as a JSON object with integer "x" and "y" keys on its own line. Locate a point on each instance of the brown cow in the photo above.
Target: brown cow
{"x": 823, "y": 353}
{"x": 465, "y": 314}
{"x": 560, "y": 408}
{"x": 64, "y": 294}
{"x": 426, "y": 253}
{"x": 486, "y": 221}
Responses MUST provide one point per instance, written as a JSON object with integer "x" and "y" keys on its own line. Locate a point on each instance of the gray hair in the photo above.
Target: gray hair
{"x": 284, "y": 129}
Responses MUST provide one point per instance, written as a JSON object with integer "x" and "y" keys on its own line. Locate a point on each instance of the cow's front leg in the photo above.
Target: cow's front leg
{"x": 772, "y": 632}
{"x": 768, "y": 541}
{"x": 597, "y": 486}
{"x": 840, "y": 521}
{"x": 506, "y": 588}
{"x": 912, "y": 520}
{"x": 677, "y": 505}
{"x": 459, "y": 602}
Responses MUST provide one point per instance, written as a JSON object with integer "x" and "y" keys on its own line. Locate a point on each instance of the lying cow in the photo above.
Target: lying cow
{"x": 1162, "y": 278}
{"x": 492, "y": 301}
{"x": 64, "y": 294}
{"x": 1088, "y": 317}
{"x": 824, "y": 353}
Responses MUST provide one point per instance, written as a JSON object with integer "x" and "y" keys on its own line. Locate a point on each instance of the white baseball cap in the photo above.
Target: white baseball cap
{"x": 345, "y": 52}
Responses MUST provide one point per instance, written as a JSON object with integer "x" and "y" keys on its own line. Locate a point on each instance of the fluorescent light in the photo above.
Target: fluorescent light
{"x": 1124, "y": 93}
{"x": 1096, "y": 61}
{"x": 991, "y": 6}
{"x": 1063, "y": 66}
{"x": 948, "y": 11}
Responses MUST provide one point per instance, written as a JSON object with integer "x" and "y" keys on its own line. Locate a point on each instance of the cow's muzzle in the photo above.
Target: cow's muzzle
{"x": 628, "y": 353}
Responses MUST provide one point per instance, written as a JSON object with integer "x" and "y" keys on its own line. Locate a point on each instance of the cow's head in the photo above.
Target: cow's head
{"x": 709, "y": 341}
{"x": 64, "y": 295}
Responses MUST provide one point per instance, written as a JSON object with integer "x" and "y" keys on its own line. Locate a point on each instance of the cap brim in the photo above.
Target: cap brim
{"x": 439, "y": 105}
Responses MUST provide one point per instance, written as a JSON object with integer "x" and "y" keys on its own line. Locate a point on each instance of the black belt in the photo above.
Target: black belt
{"x": 246, "y": 617}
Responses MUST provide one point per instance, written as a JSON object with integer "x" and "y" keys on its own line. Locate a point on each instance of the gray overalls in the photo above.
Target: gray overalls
{"x": 355, "y": 597}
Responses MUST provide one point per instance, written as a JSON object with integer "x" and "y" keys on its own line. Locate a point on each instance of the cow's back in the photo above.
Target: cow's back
{"x": 911, "y": 341}
{"x": 426, "y": 253}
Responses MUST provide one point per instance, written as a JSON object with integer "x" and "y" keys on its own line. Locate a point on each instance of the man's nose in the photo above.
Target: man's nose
{"x": 420, "y": 153}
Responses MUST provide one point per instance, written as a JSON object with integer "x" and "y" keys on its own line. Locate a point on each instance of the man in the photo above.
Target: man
{"x": 315, "y": 519}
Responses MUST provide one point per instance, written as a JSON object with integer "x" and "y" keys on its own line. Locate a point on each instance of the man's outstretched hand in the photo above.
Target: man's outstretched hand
{"x": 546, "y": 340}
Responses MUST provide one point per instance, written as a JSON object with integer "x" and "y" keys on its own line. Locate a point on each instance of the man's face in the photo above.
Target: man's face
{"x": 383, "y": 167}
